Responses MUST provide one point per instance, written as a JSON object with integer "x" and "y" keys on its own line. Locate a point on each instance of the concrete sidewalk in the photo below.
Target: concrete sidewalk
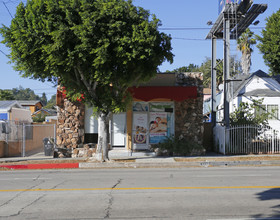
{"x": 124, "y": 159}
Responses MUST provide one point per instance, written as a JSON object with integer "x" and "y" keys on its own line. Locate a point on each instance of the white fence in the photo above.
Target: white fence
{"x": 246, "y": 139}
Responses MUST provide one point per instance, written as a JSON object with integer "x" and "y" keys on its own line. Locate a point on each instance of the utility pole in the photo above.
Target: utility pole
{"x": 213, "y": 81}
{"x": 226, "y": 38}
{"x": 233, "y": 20}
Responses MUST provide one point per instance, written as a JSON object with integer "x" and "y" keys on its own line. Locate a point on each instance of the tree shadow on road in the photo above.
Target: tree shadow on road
{"x": 271, "y": 194}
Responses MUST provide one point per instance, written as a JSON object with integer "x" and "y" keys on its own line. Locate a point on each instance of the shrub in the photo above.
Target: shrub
{"x": 173, "y": 146}
{"x": 39, "y": 118}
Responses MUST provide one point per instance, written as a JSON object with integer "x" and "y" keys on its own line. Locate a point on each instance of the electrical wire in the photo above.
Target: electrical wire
{"x": 7, "y": 9}
{"x": 193, "y": 28}
{"x": 3, "y": 53}
{"x": 190, "y": 39}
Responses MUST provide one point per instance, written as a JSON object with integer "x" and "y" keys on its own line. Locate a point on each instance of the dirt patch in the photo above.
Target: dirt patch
{"x": 245, "y": 158}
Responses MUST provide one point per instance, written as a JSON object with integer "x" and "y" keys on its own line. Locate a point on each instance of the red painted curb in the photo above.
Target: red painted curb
{"x": 42, "y": 166}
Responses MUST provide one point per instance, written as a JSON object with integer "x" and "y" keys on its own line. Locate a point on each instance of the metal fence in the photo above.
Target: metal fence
{"x": 250, "y": 139}
{"x": 24, "y": 139}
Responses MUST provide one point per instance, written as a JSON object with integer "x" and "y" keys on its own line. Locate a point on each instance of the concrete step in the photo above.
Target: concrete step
{"x": 123, "y": 153}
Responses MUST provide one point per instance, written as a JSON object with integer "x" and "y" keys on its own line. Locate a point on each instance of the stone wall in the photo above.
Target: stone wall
{"x": 70, "y": 127}
{"x": 189, "y": 113}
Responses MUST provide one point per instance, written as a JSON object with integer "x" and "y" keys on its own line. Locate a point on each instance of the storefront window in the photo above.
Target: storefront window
{"x": 160, "y": 121}
{"x": 152, "y": 123}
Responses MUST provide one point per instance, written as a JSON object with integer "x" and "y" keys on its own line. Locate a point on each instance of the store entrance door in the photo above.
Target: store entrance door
{"x": 118, "y": 128}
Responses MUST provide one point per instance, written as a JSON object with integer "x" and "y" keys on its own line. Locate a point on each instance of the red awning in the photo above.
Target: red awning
{"x": 177, "y": 93}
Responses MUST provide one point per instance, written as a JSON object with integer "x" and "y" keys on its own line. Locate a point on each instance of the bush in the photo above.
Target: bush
{"x": 39, "y": 118}
{"x": 172, "y": 146}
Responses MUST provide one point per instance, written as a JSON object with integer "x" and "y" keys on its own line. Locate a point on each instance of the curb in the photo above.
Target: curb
{"x": 41, "y": 166}
{"x": 133, "y": 165}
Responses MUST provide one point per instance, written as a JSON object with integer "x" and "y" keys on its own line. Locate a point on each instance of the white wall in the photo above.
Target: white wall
{"x": 91, "y": 123}
{"x": 219, "y": 138}
{"x": 19, "y": 114}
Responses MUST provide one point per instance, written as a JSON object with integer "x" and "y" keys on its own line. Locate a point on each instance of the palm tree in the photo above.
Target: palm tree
{"x": 244, "y": 42}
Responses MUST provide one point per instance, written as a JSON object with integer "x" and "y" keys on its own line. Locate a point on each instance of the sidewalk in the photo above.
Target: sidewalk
{"x": 137, "y": 160}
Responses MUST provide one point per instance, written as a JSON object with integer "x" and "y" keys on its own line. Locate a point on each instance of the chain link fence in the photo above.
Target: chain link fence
{"x": 22, "y": 139}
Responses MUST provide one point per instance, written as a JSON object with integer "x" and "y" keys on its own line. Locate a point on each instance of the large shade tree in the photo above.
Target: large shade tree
{"x": 270, "y": 43}
{"x": 94, "y": 48}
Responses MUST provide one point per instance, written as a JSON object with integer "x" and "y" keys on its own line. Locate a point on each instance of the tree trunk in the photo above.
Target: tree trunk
{"x": 103, "y": 137}
{"x": 246, "y": 63}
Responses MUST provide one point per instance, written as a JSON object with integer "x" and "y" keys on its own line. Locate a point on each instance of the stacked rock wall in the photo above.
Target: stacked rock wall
{"x": 189, "y": 113}
{"x": 70, "y": 128}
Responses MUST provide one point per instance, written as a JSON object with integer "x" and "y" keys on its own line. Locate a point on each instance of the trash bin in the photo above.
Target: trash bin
{"x": 48, "y": 147}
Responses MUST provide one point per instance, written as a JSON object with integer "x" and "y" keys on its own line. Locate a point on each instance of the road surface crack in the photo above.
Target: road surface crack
{"x": 111, "y": 200}
{"x": 61, "y": 183}
{"x": 30, "y": 204}
{"x": 18, "y": 195}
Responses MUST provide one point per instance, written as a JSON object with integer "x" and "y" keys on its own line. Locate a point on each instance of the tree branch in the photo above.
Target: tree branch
{"x": 88, "y": 85}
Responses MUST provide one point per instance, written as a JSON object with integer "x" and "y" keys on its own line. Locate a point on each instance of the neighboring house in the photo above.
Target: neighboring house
{"x": 207, "y": 103}
{"x": 258, "y": 85}
{"x": 13, "y": 111}
{"x": 166, "y": 105}
{"x": 241, "y": 140}
{"x": 49, "y": 114}
{"x": 32, "y": 105}
{"x": 45, "y": 112}
{"x": 206, "y": 93}
{"x": 207, "y": 106}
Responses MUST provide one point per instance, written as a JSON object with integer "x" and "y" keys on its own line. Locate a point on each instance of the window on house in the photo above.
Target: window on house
{"x": 271, "y": 109}
{"x": 261, "y": 110}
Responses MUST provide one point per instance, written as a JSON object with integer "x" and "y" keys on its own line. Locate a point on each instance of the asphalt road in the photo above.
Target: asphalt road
{"x": 186, "y": 193}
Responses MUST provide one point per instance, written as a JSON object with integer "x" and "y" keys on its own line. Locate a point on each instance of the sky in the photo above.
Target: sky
{"x": 186, "y": 22}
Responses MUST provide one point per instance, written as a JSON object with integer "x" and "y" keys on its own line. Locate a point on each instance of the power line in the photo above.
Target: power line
{"x": 193, "y": 28}
{"x": 184, "y": 28}
{"x": 3, "y": 53}
{"x": 7, "y": 9}
{"x": 181, "y": 38}
{"x": 45, "y": 89}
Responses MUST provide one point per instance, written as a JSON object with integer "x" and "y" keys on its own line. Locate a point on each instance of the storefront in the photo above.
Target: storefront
{"x": 148, "y": 122}
{"x": 169, "y": 104}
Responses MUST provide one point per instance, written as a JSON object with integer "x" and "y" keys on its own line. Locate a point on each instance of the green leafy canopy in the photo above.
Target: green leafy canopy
{"x": 270, "y": 43}
{"x": 97, "y": 48}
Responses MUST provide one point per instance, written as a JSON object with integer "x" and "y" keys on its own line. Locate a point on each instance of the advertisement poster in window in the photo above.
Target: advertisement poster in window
{"x": 140, "y": 128}
{"x": 158, "y": 127}
{"x": 161, "y": 107}
{"x": 140, "y": 107}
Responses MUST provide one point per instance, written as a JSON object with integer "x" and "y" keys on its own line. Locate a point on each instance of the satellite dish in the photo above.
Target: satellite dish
{"x": 221, "y": 87}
